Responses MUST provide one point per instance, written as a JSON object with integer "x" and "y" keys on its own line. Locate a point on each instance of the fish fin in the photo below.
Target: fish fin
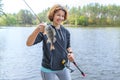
{"x": 52, "y": 47}
{"x": 54, "y": 39}
{"x": 48, "y": 41}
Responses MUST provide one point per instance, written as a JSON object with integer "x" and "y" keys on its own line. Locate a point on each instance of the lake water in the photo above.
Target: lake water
{"x": 96, "y": 50}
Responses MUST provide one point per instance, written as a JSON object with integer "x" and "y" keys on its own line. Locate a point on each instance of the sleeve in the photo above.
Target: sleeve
{"x": 68, "y": 38}
{"x": 39, "y": 38}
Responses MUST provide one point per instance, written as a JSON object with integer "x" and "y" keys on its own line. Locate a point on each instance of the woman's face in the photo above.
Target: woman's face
{"x": 58, "y": 17}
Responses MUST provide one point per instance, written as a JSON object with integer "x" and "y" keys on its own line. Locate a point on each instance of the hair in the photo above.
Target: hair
{"x": 56, "y": 8}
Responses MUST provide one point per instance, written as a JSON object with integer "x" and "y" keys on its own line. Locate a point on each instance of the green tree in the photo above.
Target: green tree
{"x": 24, "y": 17}
{"x": 3, "y": 20}
{"x": 9, "y": 20}
{"x": 83, "y": 20}
{"x": 1, "y": 10}
{"x": 43, "y": 15}
{"x": 73, "y": 18}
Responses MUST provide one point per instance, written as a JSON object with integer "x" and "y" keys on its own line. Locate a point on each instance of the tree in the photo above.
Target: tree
{"x": 24, "y": 17}
{"x": 8, "y": 20}
{"x": 43, "y": 15}
{"x": 1, "y": 10}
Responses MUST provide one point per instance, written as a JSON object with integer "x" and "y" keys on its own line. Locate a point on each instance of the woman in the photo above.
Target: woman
{"x": 53, "y": 60}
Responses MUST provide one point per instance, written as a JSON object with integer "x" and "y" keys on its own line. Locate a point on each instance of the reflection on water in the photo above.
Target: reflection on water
{"x": 97, "y": 52}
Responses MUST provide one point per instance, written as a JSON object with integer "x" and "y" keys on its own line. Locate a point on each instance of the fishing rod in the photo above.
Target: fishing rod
{"x": 83, "y": 74}
{"x": 32, "y": 10}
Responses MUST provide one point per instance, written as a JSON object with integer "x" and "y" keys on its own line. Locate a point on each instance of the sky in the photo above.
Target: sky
{"x": 14, "y": 6}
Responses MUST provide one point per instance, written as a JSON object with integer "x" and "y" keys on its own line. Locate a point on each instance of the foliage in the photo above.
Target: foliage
{"x": 43, "y": 15}
{"x": 91, "y": 14}
{"x": 8, "y": 20}
{"x": 83, "y": 21}
{"x": 1, "y": 10}
{"x": 24, "y": 17}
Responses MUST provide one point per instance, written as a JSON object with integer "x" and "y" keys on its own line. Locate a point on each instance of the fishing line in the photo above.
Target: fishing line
{"x": 32, "y": 10}
{"x": 61, "y": 33}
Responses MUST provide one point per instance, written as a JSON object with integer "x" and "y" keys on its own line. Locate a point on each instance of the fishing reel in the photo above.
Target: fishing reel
{"x": 67, "y": 65}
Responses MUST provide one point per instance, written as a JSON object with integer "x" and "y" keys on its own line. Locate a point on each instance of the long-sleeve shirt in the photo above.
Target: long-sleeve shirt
{"x": 52, "y": 59}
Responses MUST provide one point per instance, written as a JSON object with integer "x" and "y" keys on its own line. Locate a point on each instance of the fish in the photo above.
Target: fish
{"x": 50, "y": 33}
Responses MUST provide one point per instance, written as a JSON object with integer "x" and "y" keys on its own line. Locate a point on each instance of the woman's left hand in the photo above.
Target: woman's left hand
{"x": 71, "y": 57}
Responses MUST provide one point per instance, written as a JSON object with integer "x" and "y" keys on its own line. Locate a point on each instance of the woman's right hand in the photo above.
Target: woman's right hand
{"x": 41, "y": 27}
{"x": 32, "y": 37}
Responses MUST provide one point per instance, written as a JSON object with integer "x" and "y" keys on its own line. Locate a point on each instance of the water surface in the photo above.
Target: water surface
{"x": 96, "y": 50}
